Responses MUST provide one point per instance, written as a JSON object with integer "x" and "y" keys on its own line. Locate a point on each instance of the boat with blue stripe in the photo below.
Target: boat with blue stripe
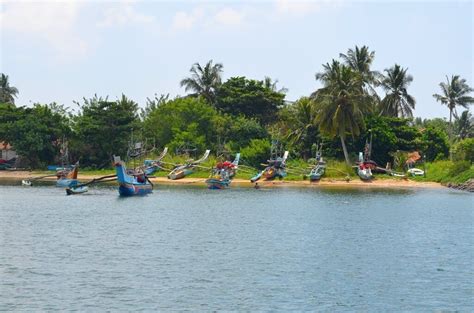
{"x": 131, "y": 182}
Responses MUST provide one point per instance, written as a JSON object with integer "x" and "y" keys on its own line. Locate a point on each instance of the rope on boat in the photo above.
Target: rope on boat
{"x": 102, "y": 179}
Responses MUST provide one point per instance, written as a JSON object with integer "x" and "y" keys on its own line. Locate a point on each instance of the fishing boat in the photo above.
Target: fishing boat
{"x": 151, "y": 166}
{"x": 67, "y": 177}
{"x": 223, "y": 173}
{"x": 181, "y": 171}
{"x": 318, "y": 170}
{"x": 131, "y": 182}
{"x": 276, "y": 168}
{"x": 76, "y": 190}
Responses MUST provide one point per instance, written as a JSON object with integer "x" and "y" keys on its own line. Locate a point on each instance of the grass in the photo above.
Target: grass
{"x": 446, "y": 172}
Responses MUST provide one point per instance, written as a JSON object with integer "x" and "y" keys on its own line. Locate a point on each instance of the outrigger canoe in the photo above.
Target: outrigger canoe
{"x": 184, "y": 170}
{"x": 223, "y": 173}
{"x": 67, "y": 178}
{"x": 275, "y": 169}
{"x": 131, "y": 183}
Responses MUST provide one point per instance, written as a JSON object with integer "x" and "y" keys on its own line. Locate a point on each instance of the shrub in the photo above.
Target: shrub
{"x": 464, "y": 150}
{"x": 258, "y": 151}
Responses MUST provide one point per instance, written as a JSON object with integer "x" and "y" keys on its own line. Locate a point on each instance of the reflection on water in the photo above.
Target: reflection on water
{"x": 189, "y": 248}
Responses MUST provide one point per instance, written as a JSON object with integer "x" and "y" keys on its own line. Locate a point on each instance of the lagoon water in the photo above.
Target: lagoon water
{"x": 195, "y": 249}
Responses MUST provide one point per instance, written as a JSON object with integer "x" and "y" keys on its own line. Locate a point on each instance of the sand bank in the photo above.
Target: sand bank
{"x": 376, "y": 183}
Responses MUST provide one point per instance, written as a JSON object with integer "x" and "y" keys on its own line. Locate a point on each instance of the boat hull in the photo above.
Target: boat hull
{"x": 76, "y": 191}
{"x": 213, "y": 183}
{"x": 127, "y": 190}
{"x": 180, "y": 173}
{"x": 66, "y": 182}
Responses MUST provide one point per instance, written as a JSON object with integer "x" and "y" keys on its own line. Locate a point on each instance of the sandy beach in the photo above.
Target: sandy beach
{"x": 12, "y": 176}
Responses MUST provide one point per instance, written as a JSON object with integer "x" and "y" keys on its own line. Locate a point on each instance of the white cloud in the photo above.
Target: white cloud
{"x": 53, "y": 22}
{"x": 229, "y": 17}
{"x": 302, "y": 7}
{"x": 186, "y": 20}
{"x": 124, "y": 13}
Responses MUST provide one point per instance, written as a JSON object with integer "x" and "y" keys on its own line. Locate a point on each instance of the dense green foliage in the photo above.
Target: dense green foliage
{"x": 36, "y": 132}
{"x": 251, "y": 98}
{"x": 102, "y": 129}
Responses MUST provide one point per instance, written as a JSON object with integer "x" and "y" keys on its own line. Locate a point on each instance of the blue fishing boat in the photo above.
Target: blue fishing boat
{"x": 131, "y": 183}
{"x": 222, "y": 174}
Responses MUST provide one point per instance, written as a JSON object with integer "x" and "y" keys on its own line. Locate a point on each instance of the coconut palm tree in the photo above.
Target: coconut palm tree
{"x": 7, "y": 92}
{"x": 205, "y": 80}
{"x": 341, "y": 102}
{"x": 360, "y": 60}
{"x": 455, "y": 93}
{"x": 272, "y": 84}
{"x": 464, "y": 125}
{"x": 397, "y": 101}
{"x": 303, "y": 129}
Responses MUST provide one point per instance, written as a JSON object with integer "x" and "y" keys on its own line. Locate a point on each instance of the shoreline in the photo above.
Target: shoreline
{"x": 18, "y": 176}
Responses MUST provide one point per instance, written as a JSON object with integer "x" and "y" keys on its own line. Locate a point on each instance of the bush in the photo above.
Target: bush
{"x": 459, "y": 167}
{"x": 258, "y": 151}
{"x": 464, "y": 150}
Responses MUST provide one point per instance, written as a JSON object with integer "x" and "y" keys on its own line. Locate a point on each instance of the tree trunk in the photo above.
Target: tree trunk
{"x": 450, "y": 125}
{"x": 344, "y": 149}
{"x": 450, "y": 133}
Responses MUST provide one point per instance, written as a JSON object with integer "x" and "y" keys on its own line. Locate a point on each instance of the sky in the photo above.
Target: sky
{"x": 62, "y": 51}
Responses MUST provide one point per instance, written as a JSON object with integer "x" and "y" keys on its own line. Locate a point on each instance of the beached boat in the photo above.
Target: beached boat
{"x": 181, "y": 171}
{"x": 223, "y": 173}
{"x": 276, "y": 168}
{"x": 131, "y": 183}
{"x": 151, "y": 166}
{"x": 318, "y": 170}
{"x": 67, "y": 177}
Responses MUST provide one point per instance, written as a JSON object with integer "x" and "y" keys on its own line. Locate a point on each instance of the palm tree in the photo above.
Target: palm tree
{"x": 455, "y": 92}
{"x": 464, "y": 125}
{"x": 397, "y": 102}
{"x": 7, "y": 92}
{"x": 205, "y": 80}
{"x": 341, "y": 103}
{"x": 360, "y": 60}
{"x": 272, "y": 84}
{"x": 303, "y": 128}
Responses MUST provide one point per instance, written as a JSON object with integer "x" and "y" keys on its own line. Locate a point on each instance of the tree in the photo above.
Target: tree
{"x": 360, "y": 60}
{"x": 251, "y": 98}
{"x": 182, "y": 121}
{"x": 103, "y": 129}
{"x": 434, "y": 143}
{"x": 7, "y": 93}
{"x": 389, "y": 134}
{"x": 455, "y": 92}
{"x": 204, "y": 81}
{"x": 341, "y": 103}
{"x": 35, "y": 132}
{"x": 464, "y": 125}
{"x": 397, "y": 102}
{"x": 299, "y": 121}
{"x": 272, "y": 84}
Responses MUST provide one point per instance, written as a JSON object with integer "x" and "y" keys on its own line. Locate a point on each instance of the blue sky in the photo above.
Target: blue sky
{"x": 60, "y": 51}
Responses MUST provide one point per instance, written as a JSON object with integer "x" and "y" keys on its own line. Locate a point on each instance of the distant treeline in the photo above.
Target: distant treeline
{"x": 243, "y": 114}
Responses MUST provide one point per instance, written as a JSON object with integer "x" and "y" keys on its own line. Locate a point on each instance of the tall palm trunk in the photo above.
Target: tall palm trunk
{"x": 344, "y": 149}
{"x": 450, "y": 132}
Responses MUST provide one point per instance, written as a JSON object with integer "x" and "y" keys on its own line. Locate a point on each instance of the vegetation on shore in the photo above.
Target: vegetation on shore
{"x": 354, "y": 104}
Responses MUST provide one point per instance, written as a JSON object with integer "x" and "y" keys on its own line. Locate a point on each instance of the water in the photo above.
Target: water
{"x": 240, "y": 249}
